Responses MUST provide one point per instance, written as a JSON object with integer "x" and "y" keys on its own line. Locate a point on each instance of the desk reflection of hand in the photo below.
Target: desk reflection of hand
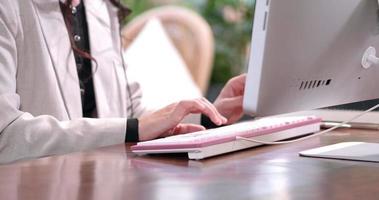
{"x": 229, "y": 102}
{"x": 166, "y": 122}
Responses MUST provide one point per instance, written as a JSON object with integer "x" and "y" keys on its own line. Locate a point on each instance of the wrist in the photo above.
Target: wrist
{"x": 132, "y": 130}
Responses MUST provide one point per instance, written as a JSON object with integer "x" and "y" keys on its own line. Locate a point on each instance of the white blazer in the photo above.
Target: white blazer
{"x": 40, "y": 103}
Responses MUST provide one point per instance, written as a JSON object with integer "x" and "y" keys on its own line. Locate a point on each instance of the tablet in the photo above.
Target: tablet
{"x": 355, "y": 151}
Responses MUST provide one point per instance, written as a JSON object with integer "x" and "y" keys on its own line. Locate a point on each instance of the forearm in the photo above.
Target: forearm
{"x": 25, "y": 136}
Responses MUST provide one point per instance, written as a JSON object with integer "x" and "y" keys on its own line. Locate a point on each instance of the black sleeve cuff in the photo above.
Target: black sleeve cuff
{"x": 132, "y": 132}
{"x": 207, "y": 123}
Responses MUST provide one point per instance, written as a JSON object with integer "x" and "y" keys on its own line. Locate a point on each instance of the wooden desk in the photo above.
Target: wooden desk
{"x": 270, "y": 172}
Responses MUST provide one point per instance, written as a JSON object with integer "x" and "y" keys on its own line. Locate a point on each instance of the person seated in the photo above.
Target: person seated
{"x": 59, "y": 90}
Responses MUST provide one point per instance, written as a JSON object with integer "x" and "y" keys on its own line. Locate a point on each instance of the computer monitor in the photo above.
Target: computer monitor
{"x": 307, "y": 54}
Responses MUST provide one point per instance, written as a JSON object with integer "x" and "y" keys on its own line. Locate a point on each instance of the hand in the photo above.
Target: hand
{"x": 230, "y": 100}
{"x": 166, "y": 122}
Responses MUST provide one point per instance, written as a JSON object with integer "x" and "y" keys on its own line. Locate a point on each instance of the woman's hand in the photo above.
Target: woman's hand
{"x": 229, "y": 102}
{"x": 166, "y": 122}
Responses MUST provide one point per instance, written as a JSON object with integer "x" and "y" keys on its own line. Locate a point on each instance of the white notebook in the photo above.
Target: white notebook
{"x": 222, "y": 140}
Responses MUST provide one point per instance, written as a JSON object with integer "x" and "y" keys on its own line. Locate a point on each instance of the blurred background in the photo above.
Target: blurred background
{"x": 231, "y": 24}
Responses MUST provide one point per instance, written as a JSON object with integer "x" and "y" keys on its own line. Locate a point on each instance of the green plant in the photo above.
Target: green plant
{"x": 231, "y": 21}
{"x": 138, "y": 6}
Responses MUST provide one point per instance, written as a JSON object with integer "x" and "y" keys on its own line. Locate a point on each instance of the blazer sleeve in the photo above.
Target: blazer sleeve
{"x": 25, "y": 136}
{"x": 136, "y": 107}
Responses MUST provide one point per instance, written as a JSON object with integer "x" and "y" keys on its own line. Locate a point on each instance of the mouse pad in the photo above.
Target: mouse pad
{"x": 356, "y": 151}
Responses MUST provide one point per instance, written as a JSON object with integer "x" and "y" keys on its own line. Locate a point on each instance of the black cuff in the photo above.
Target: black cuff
{"x": 132, "y": 133}
{"x": 207, "y": 123}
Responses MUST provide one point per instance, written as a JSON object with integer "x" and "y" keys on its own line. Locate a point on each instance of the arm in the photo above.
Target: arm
{"x": 25, "y": 136}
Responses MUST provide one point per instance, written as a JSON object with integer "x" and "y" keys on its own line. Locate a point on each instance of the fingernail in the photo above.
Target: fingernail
{"x": 224, "y": 120}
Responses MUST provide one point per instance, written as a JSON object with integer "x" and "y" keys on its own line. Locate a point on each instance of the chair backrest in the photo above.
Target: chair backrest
{"x": 190, "y": 33}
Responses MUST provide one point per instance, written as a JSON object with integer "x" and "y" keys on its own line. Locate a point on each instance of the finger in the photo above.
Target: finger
{"x": 241, "y": 79}
{"x": 214, "y": 109}
{"x": 232, "y": 102}
{"x": 182, "y": 108}
{"x": 188, "y": 128}
{"x": 215, "y": 116}
{"x": 234, "y": 105}
{"x": 194, "y": 106}
{"x": 238, "y": 84}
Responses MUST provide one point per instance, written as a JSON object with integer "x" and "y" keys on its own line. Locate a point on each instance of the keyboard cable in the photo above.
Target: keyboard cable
{"x": 313, "y": 135}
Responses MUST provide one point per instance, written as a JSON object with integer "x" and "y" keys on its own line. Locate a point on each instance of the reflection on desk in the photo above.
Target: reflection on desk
{"x": 268, "y": 172}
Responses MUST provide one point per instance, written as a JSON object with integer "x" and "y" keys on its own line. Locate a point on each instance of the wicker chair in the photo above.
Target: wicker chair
{"x": 189, "y": 32}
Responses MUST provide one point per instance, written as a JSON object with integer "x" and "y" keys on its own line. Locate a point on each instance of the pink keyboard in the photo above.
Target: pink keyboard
{"x": 223, "y": 139}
